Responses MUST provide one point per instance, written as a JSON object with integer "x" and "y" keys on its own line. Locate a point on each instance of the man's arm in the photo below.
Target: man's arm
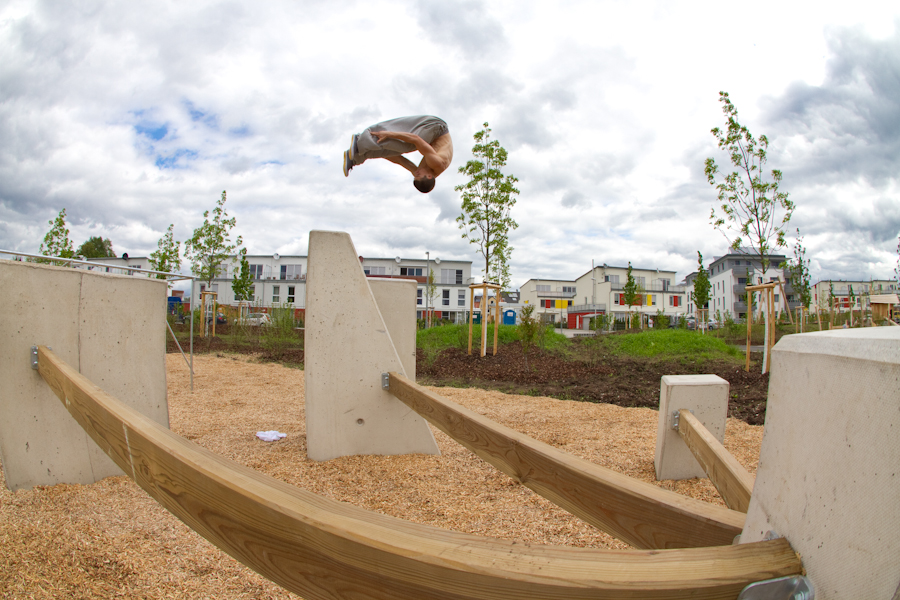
{"x": 434, "y": 160}
{"x": 403, "y": 162}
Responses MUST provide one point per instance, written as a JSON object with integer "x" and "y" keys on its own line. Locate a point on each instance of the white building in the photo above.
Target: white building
{"x": 602, "y": 291}
{"x": 730, "y": 274}
{"x": 822, "y": 292}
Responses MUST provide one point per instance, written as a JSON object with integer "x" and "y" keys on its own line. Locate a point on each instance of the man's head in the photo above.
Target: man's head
{"x": 423, "y": 179}
{"x": 424, "y": 185}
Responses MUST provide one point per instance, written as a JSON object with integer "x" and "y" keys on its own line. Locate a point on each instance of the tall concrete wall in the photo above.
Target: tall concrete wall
{"x": 829, "y": 467}
{"x": 349, "y": 344}
{"x": 109, "y": 327}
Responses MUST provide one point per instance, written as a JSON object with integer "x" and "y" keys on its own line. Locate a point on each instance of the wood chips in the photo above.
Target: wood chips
{"x": 110, "y": 540}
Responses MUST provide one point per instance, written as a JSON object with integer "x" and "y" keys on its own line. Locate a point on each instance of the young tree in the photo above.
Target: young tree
{"x": 210, "y": 246}
{"x": 630, "y": 291}
{"x": 799, "y": 273}
{"x": 243, "y": 281}
{"x": 750, "y": 205}
{"x": 431, "y": 294}
{"x": 700, "y": 295}
{"x": 57, "y": 242}
{"x": 487, "y": 199}
{"x": 167, "y": 256}
{"x": 96, "y": 247}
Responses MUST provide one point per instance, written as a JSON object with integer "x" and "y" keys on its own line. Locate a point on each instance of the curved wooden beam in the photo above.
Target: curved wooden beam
{"x": 323, "y": 549}
{"x": 634, "y": 511}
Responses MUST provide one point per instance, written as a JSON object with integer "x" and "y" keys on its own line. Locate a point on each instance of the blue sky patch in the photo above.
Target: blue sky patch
{"x": 153, "y": 131}
{"x": 176, "y": 160}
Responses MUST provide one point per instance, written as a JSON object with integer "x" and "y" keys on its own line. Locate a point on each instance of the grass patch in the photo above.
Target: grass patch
{"x": 436, "y": 339}
{"x": 669, "y": 344}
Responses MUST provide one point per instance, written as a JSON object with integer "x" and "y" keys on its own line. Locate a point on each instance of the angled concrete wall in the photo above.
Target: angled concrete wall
{"x": 109, "y": 327}
{"x": 349, "y": 344}
{"x": 829, "y": 466}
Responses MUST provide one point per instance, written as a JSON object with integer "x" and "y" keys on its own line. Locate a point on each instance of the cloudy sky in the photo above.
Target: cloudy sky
{"x": 135, "y": 115}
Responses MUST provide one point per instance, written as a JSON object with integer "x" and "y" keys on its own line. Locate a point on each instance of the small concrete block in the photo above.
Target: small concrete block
{"x": 829, "y": 467}
{"x": 706, "y": 396}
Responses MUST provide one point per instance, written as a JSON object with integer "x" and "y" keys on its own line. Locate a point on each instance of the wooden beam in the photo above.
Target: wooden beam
{"x": 322, "y": 549}
{"x": 732, "y": 480}
{"x": 640, "y": 513}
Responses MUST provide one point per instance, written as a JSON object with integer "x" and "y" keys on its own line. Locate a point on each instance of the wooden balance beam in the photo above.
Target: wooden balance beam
{"x": 324, "y": 549}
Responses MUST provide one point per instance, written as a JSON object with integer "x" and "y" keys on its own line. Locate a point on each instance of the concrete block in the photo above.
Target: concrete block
{"x": 109, "y": 327}
{"x": 348, "y": 347}
{"x": 707, "y": 397}
{"x": 829, "y": 469}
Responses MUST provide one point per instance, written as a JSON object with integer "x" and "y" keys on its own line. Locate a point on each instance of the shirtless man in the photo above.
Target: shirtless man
{"x": 394, "y": 138}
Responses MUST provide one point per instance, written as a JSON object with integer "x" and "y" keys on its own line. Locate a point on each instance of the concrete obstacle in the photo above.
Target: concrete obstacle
{"x": 112, "y": 327}
{"x": 829, "y": 466}
{"x": 357, "y": 329}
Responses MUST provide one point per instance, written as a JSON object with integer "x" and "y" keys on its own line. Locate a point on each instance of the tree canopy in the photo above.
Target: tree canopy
{"x": 700, "y": 295}
{"x": 96, "y": 247}
{"x": 210, "y": 246}
{"x": 752, "y": 211}
{"x": 242, "y": 284}
{"x": 167, "y": 256}
{"x": 57, "y": 242}
{"x": 487, "y": 199}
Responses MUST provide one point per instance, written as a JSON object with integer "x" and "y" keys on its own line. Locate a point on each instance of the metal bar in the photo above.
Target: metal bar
{"x": 179, "y": 348}
{"x": 174, "y": 276}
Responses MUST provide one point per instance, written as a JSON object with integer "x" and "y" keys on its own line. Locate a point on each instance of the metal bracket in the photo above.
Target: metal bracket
{"x": 34, "y": 357}
{"x": 385, "y": 381}
{"x": 795, "y": 587}
{"x": 676, "y": 419}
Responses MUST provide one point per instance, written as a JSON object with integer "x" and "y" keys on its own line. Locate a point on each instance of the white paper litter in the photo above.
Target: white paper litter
{"x": 270, "y": 436}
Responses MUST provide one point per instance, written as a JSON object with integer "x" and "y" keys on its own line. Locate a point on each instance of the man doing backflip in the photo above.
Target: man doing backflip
{"x": 392, "y": 139}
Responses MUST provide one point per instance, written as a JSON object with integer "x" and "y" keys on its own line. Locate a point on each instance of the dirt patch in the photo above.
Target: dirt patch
{"x": 608, "y": 378}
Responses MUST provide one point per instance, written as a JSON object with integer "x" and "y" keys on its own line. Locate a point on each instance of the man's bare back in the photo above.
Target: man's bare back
{"x": 391, "y": 139}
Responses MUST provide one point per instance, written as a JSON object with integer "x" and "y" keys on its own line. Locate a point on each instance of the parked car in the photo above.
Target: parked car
{"x": 255, "y": 319}
{"x": 220, "y": 319}
{"x": 712, "y": 325}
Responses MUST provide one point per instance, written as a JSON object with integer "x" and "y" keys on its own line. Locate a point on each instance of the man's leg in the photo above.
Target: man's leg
{"x": 368, "y": 147}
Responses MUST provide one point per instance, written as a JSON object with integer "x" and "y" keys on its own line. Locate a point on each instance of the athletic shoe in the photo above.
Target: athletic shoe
{"x": 348, "y": 163}
{"x": 353, "y": 148}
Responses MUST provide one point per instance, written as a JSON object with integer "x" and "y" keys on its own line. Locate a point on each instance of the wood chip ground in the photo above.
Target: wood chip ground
{"x": 110, "y": 540}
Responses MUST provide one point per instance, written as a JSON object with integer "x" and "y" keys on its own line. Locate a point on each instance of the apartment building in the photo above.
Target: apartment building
{"x": 602, "y": 291}
{"x": 822, "y": 292}
{"x": 730, "y": 274}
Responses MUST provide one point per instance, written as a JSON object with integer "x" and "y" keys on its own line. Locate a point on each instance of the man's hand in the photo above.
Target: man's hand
{"x": 381, "y": 135}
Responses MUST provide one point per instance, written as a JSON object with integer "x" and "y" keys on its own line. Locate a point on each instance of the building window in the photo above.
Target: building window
{"x": 461, "y": 300}
{"x": 570, "y": 303}
{"x": 459, "y": 276}
{"x": 375, "y": 270}
{"x": 665, "y": 284}
{"x": 411, "y": 271}
{"x": 675, "y": 301}
{"x": 256, "y": 271}
{"x": 419, "y": 296}
{"x": 611, "y": 278}
{"x": 276, "y": 295}
{"x": 445, "y": 297}
{"x": 548, "y": 303}
{"x": 568, "y": 289}
{"x": 290, "y": 297}
{"x": 640, "y": 281}
{"x": 291, "y": 271}
{"x": 543, "y": 288}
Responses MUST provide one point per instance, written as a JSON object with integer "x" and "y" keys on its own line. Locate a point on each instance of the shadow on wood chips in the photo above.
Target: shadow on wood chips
{"x": 601, "y": 377}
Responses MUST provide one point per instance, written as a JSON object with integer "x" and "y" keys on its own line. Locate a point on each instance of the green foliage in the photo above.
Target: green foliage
{"x": 210, "y": 245}
{"x": 601, "y": 322}
{"x": 57, "y": 242}
{"x": 798, "y": 270}
{"x": 528, "y": 327}
{"x": 636, "y": 320}
{"x": 96, "y": 247}
{"x": 700, "y": 295}
{"x": 670, "y": 343}
{"x": 630, "y": 290}
{"x": 243, "y": 280}
{"x": 749, "y": 204}
{"x": 487, "y": 200}
{"x": 167, "y": 256}
{"x": 431, "y": 294}
{"x": 661, "y": 320}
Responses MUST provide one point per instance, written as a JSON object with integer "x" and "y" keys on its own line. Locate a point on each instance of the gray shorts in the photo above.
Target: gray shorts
{"x": 426, "y": 127}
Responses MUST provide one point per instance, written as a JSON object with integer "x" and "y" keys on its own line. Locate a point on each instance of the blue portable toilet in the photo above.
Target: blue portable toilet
{"x": 509, "y": 317}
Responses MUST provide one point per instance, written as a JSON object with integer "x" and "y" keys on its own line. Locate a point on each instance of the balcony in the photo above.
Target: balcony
{"x": 556, "y": 294}
{"x": 587, "y": 308}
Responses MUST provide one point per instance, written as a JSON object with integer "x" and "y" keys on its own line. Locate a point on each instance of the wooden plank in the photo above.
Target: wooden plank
{"x": 634, "y": 511}
{"x": 732, "y": 480}
{"x": 323, "y": 549}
